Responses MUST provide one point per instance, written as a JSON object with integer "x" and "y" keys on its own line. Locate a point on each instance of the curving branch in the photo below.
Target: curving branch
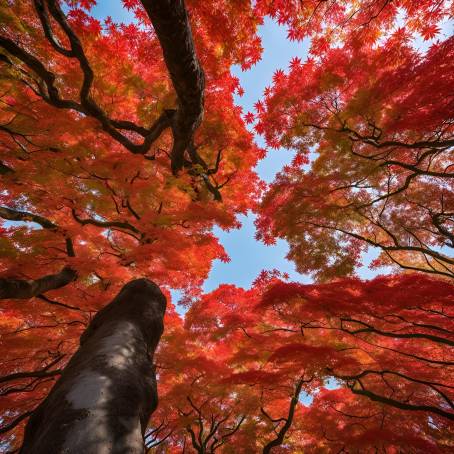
{"x": 396, "y": 403}
{"x": 11, "y": 214}
{"x": 119, "y": 226}
{"x": 155, "y": 437}
{"x": 438, "y": 220}
{"x": 367, "y": 328}
{"x": 29, "y": 288}
{"x": 57, "y": 303}
{"x": 41, "y": 9}
{"x": 206, "y": 171}
{"x": 105, "y": 224}
{"x": 38, "y": 377}
{"x": 230, "y": 431}
{"x": 194, "y": 440}
{"x": 12, "y": 424}
{"x": 25, "y": 289}
{"x": 43, "y": 372}
{"x": 33, "y": 374}
{"x": 288, "y": 420}
{"x": 353, "y": 380}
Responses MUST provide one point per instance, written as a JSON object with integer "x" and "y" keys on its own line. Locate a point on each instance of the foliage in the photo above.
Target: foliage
{"x": 114, "y": 167}
{"x": 375, "y": 357}
{"x": 372, "y": 127}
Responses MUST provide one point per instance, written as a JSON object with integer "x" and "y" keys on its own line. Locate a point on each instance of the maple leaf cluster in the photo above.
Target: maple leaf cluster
{"x": 374, "y": 125}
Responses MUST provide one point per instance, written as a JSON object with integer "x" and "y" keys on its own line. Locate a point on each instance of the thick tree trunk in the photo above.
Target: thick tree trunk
{"x": 107, "y": 392}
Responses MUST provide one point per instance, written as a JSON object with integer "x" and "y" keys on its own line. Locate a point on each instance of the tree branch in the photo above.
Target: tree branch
{"x": 24, "y": 216}
{"x": 370, "y": 329}
{"x": 288, "y": 420}
{"x": 171, "y": 23}
{"x": 397, "y": 404}
{"x": 25, "y": 289}
{"x": 15, "y": 422}
{"x": 105, "y": 224}
{"x": 44, "y": 372}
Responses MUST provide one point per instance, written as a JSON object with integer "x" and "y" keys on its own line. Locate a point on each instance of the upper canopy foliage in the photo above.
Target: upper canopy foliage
{"x": 121, "y": 147}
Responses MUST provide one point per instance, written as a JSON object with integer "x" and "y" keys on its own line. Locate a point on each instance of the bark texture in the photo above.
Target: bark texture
{"x": 171, "y": 23}
{"x": 107, "y": 392}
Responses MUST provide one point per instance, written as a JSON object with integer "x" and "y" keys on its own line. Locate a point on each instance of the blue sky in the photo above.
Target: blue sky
{"x": 248, "y": 256}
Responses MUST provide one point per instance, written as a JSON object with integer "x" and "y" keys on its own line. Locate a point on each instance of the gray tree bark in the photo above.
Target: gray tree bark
{"x": 107, "y": 392}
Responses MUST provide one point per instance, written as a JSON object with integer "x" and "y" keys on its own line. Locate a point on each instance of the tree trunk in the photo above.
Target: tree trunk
{"x": 107, "y": 392}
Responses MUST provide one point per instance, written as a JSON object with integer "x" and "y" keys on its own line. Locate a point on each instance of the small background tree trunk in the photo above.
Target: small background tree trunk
{"x": 107, "y": 392}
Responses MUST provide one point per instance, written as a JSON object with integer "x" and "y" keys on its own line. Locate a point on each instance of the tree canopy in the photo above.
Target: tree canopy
{"x": 121, "y": 147}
